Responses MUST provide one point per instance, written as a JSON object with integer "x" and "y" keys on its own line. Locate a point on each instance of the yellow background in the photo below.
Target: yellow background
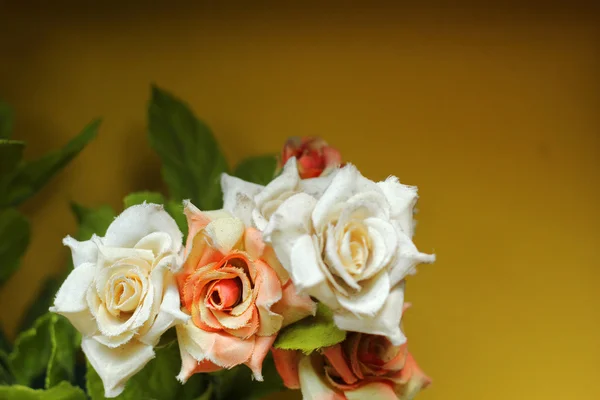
{"x": 492, "y": 112}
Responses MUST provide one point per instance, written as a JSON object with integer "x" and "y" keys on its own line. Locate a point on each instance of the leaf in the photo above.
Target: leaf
{"x": 11, "y": 152}
{"x": 63, "y": 391}
{"x": 6, "y": 120}
{"x": 32, "y": 176}
{"x": 64, "y": 341}
{"x": 260, "y": 169}
{"x": 140, "y": 197}
{"x": 14, "y": 238}
{"x": 175, "y": 209}
{"x": 311, "y": 333}
{"x": 92, "y": 220}
{"x": 6, "y": 377}
{"x": 41, "y": 303}
{"x": 192, "y": 162}
{"x": 32, "y": 349}
{"x": 155, "y": 381}
{"x": 238, "y": 383}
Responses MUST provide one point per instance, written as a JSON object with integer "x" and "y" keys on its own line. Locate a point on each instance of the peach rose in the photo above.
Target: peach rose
{"x": 362, "y": 367}
{"x": 314, "y": 156}
{"x": 230, "y": 285}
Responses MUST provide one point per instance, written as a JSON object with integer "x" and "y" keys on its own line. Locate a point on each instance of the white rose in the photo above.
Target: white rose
{"x": 351, "y": 249}
{"x": 255, "y": 204}
{"x": 122, "y": 295}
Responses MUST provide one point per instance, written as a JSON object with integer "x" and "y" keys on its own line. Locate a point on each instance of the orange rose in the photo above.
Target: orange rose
{"x": 230, "y": 287}
{"x": 362, "y": 367}
{"x": 314, "y": 156}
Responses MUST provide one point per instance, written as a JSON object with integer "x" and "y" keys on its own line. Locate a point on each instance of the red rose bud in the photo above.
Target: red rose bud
{"x": 315, "y": 157}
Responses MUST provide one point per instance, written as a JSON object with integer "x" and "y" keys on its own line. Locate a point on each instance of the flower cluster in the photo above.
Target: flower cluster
{"x": 319, "y": 232}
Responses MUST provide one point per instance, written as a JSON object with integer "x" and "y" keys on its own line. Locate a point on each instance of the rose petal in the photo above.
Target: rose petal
{"x": 346, "y": 183}
{"x": 116, "y": 366}
{"x": 139, "y": 221}
{"x": 261, "y": 349}
{"x": 114, "y": 341}
{"x": 313, "y": 385}
{"x": 268, "y": 292}
{"x": 287, "y": 181}
{"x": 385, "y": 323}
{"x": 407, "y": 258}
{"x": 169, "y": 313}
{"x": 159, "y": 243}
{"x": 411, "y": 380}
{"x": 402, "y": 199}
{"x": 71, "y": 300}
{"x": 82, "y": 252}
{"x": 293, "y": 306}
{"x": 337, "y": 360}
{"x": 238, "y": 197}
{"x": 373, "y": 390}
{"x": 225, "y": 233}
{"x": 371, "y": 297}
{"x": 286, "y": 363}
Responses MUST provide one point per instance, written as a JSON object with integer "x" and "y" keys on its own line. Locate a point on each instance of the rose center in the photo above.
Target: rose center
{"x": 225, "y": 294}
{"x": 355, "y": 245}
{"x": 124, "y": 294}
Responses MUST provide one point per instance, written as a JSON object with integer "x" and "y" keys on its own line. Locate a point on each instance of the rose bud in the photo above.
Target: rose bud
{"x": 314, "y": 156}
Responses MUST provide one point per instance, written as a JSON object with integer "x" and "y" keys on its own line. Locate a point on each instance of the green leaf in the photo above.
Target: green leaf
{"x": 6, "y": 120}
{"x": 31, "y": 176}
{"x": 32, "y": 349}
{"x": 92, "y": 220}
{"x": 63, "y": 391}
{"x": 11, "y": 152}
{"x": 311, "y": 333}
{"x": 44, "y": 300}
{"x": 14, "y": 238}
{"x": 64, "y": 341}
{"x": 192, "y": 162}
{"x": 6, "y": 377}
{"x": 260, "y": 170}
{"x": 175, "y": 209}
{"x": 238, "y": 383}
{"x": 141, "y": 197}
{"x": 155, "y": 381}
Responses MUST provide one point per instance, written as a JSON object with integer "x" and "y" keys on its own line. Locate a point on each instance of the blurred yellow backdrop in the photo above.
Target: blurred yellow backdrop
{"x": 493, "y": 113}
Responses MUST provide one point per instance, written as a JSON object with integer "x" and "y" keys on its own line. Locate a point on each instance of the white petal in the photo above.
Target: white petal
{"x": 188, "y": 365}
{"x": 317, "y": 186}
{"x": 402, "y": 199}
{"x": 225, "y": 233}
{"x": 332, "y": 258}
{"x": 288, "y": 223}
{"x": 385, "y": 323}
{"x": 71, "y": 296}
{"x": 159, "y": 243}
{"x": 116, "y": 366}
{"x": 108, "y": 256}
{"x": 305, "y": 271}
{"x": 407, "y": 258}
{"x": 114, "y": 341}
{"x": 286, "y": 182}
{"x": 346, "y": 183}
{"x": 371, "y": 297}
{"x": 169, "y": 313}
{"x": 139, "y": 221}
{"x": 238, "y": 197}
{"x": 384, "y": 245}
{"x": 312, "y": 384}
{"x": 82, "y": 252}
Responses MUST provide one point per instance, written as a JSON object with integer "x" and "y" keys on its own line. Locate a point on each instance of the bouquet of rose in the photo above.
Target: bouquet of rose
{"x": 290, "y": 271}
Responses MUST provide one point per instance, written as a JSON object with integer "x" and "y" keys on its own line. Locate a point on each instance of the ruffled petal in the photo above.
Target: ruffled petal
{"x": 294, "y": 306}
{"x": 402, "y": 199}
{"x": 406, "y": 259}
{"x": 373, "y": 390}
{"x": 371, "y": 297}
{"x": 286, "y": 363}
{"x": 225, "y": 233}
{"x": 116, "y": 366}
{"x": 82, "y": 252}
{"x": 261, "y": 349}
{"x": 238, "y": 197}
{"x": 268, "y": 292}
{"x": 139, "y": 221}
{"x": 385, "y": 323}
{"x": 313, "y": 385}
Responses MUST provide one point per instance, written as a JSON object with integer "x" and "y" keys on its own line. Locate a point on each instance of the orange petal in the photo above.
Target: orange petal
{"x": 253, "y": 243}
{"x": 286, "y": 363}
{"x": 267, "y": 291}
{"x": 261, "y": 349}
{"x": 293, "y": 306}
{"x": 337, "y": 360}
